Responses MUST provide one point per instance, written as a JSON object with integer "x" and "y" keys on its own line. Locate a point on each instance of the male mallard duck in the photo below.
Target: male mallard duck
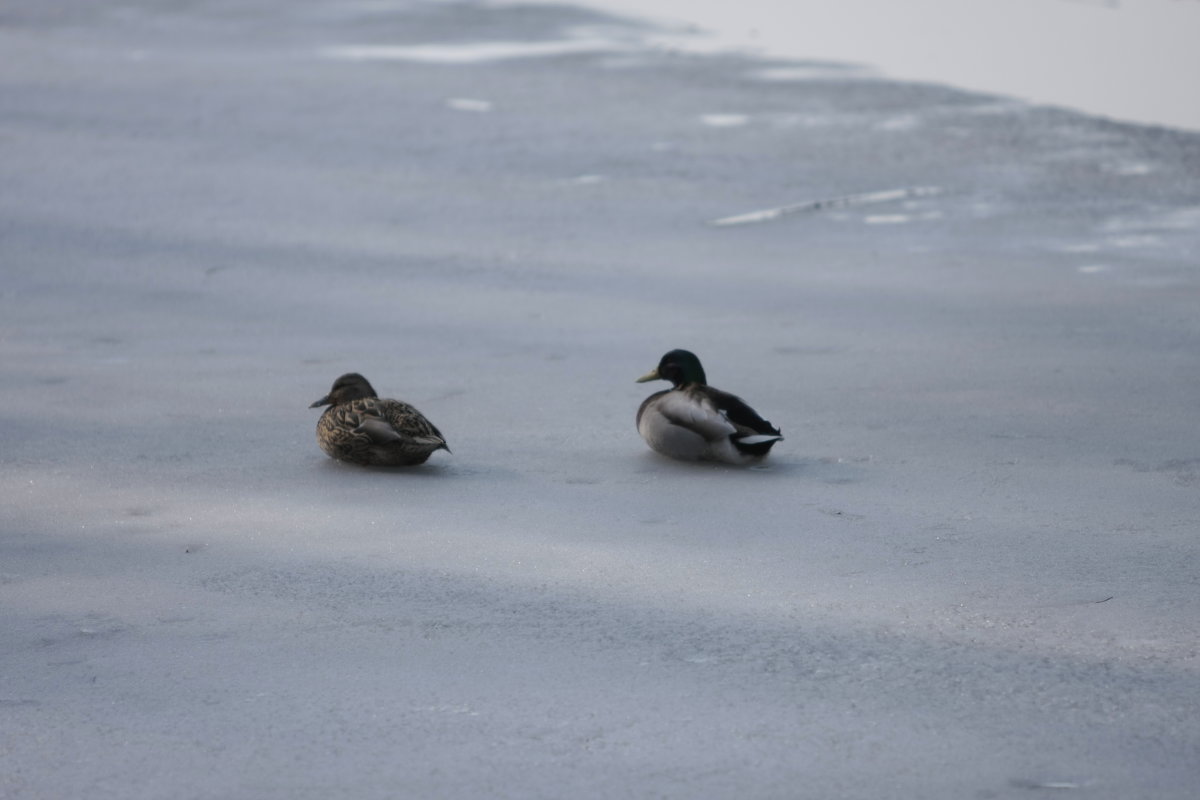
{"x": 363, "y": 428}
{"x": 692, "y": 420}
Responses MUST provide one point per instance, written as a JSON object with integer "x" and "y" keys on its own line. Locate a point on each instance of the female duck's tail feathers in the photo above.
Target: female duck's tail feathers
{"x": 383, "y": 433}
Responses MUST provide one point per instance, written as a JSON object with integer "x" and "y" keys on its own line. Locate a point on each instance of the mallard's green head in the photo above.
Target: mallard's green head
{"x": 350, "y": 386}
{"x": 680, "y": 367}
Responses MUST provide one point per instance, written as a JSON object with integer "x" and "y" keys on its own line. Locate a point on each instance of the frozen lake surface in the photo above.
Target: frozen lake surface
{"x": 1133, "y": 60}
{"x": 970, "y": 570}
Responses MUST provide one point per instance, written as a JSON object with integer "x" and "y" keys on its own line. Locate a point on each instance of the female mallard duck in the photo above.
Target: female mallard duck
{"x": 363, "y": 428}
{"x": 693, "y": 421}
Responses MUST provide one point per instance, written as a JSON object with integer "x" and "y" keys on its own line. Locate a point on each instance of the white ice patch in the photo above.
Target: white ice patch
{"x": 1135, "y": 241}
{"x": 588, "y": 180}
{"x": 997, "y": 107}
{"x": 868, "y": 198}
{"x": 887, "y": 219}
{"x": 814, "y": 73}
{"x": 1181, "y": 219}
{"x": 905, "y": 122}
{"x": 1092, "y": 269}
{"x": 1129, "y": 169}
{"x": 469, "y": 104}
{"x": 470, "y": 52}
{"x": 1135, "y": 232}
{"x": 724, "y": 120}
{"x": 811, "y": 120}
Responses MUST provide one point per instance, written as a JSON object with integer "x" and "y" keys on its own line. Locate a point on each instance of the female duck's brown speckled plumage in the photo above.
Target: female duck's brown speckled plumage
{"x": 363, "y": 428}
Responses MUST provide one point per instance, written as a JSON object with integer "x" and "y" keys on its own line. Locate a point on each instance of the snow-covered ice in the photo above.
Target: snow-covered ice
{"x": 970, "y": 570}
{"x": 1126, "y": 59}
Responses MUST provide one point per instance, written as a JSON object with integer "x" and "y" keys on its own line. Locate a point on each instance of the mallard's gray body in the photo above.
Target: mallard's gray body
{"x": 695, "y": 422}
{"x": 362, "y": 428}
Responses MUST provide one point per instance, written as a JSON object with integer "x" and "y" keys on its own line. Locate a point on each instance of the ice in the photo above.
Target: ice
{"x": 1131, "y": 61}
{"x": 882, "y": 196}
{"x": 724, "y": 120}
{"x": 969, "y": 569}
{"x": 468, "y": 53}
{"x": 469, "y": 104}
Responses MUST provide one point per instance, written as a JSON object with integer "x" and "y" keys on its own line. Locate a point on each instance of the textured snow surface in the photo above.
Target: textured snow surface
{"x": 970, "y": 570}
{"x": 1127, "y": 59}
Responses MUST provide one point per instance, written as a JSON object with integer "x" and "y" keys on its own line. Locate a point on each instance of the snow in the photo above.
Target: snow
{"x": 1128, "y": 59}
{"x": 968, "y": 571}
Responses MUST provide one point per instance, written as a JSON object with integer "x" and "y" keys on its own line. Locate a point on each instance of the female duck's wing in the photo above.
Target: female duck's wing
{"x": 404, "y": 422}
{"x": 347, "y": 417}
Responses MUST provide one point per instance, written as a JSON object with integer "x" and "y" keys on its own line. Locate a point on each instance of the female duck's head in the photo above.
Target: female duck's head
{"x": 350, "y": 386}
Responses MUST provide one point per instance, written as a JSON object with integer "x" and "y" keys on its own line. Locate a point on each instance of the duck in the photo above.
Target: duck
{"x": 362, "y": 428}
{"x": 693, "y": 421}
